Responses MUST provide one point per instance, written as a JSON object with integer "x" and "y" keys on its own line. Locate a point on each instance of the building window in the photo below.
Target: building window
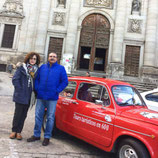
{"x": 8, "y": 36}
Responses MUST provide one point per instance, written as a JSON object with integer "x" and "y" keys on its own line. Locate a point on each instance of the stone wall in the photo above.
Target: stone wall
{"x": 134, "y": 25}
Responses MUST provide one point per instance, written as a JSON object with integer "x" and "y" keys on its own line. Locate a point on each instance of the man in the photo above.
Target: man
{"x": 50, "y": 81}
{"x": 88, "y": 74}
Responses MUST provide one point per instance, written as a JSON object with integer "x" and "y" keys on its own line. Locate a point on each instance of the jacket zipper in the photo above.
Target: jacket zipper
{"x": 47, "y": 78}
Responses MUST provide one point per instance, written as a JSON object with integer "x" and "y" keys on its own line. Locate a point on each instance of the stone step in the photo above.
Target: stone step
{"x": 135, "y": 81}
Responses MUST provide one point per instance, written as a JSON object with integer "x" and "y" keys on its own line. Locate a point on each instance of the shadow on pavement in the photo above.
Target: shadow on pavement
{"x": 73, "y": 141}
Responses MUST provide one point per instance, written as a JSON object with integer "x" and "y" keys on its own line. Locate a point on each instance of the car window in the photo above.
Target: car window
{"x": 126, "y": 95}
{"x": 93, "y": 93}
{"x": 152, "y": 97}
{"x": 104, "y": 96}
{"x": 69, "y": 90}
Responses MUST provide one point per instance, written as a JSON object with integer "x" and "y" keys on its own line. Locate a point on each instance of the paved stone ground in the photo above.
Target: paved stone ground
{"x": 61, "y": 146}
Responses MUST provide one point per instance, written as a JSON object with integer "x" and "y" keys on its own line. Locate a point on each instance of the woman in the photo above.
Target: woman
{"x": 23, "y": 88}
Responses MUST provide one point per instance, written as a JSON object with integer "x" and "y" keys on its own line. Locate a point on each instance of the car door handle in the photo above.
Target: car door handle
{"x": 74, "y": 102}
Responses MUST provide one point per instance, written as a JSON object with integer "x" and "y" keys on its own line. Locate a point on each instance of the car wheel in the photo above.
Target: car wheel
{"x": 55, "y": 129}
{"x": 130, "y": 148}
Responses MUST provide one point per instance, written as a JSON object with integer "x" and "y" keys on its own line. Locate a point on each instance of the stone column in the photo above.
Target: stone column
{"x": 72, "y": 26}
{"x": 149, "y": 70}
{"x": 151, "y": 33}
{"x": 28, "y": 29}
{"x": 115, "y": 67}
{"x": 42, "y": 26}
{"x": 119, "y": 31}
{"x": 156, "y": 63}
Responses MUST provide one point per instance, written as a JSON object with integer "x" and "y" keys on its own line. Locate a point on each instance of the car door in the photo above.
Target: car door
{"x": 92, "y": 120}
{"x": 65, "y": 107}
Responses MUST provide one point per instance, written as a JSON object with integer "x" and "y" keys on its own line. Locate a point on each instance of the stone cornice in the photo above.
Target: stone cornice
{"x": 56, "y": 31}
{"x": 134, "y": 41}
{"x": 9, "y": 19}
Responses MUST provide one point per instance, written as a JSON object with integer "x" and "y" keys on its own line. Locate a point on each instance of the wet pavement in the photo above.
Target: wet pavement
{"x": 61, "y": 146}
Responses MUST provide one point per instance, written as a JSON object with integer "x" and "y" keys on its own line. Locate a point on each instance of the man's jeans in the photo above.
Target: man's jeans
{"x": 41, "y": 105}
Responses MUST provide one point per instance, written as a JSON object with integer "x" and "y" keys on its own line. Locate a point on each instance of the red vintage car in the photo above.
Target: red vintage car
{"x": 110, "y": 115}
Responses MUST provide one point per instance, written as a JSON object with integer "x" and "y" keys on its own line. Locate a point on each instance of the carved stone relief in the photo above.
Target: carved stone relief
{"x": 12, "y": 8}
{"x": 99, "y": 3}
{"x": 135, "y": 26}
{"x": 59, "y": 18}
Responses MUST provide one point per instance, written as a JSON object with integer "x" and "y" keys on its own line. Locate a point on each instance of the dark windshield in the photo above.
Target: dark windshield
{"x": 126, "y": 96}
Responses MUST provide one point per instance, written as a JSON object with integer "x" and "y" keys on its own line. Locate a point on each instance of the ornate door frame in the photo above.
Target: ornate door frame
{"x": 97, "y": 40}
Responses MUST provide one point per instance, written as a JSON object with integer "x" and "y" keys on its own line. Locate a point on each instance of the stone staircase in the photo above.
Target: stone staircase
{"x": 142, "y": 86}
{"x": 135, "y": 81}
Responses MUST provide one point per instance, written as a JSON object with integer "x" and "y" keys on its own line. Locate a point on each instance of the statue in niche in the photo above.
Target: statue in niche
{"x": 61, "y": 3}
{"x": 136, "y": 5}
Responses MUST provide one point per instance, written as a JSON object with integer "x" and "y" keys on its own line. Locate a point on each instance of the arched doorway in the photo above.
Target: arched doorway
{"x": 94, "y": 43}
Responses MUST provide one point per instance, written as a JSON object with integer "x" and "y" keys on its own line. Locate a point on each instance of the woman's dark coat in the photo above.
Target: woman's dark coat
{"x": 22, "y": 89}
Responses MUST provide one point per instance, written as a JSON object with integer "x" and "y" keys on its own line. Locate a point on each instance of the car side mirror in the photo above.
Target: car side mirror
{"x": 99, "y": 102}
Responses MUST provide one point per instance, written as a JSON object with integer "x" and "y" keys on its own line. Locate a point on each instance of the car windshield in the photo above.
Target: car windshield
{"x": 126, "y": 96}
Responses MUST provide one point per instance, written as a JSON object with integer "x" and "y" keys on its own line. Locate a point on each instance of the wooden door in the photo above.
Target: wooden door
{"x": 56, "y": 45}
{"x": 132, "y": 57}
{"x": 94, "y": 43}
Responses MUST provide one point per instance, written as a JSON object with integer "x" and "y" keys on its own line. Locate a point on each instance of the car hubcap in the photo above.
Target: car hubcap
{"x": 127, "y": 152}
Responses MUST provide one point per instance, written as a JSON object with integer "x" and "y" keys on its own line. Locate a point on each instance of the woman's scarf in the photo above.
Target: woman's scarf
{"x": 30, "y": 72}
{"x": 32, "y": 69}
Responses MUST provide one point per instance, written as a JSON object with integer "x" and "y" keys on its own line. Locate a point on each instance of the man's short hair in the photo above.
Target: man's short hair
{"x": 53, "y": 53}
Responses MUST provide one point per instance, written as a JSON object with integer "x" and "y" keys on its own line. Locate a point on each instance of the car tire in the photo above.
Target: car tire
{"x": 55, "y": 130}
{"x": 130, "y": 148}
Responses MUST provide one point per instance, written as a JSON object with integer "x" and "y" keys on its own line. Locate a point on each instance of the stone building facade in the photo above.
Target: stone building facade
{"x": 116, "y": 37}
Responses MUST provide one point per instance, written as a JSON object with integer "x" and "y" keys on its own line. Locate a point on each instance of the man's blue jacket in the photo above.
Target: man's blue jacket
{"x": 50, "y": 81}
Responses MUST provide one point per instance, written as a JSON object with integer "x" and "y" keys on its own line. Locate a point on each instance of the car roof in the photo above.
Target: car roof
{"x": 106, "y": 81}
{"x": 150, "y": 91}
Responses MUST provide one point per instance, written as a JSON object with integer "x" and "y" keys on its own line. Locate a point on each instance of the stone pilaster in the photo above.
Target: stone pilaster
{"x": 72, "y": 26}
{"x": 115, "y": 68}
{"x": 28, "y": 34}
{"x": 151, "y": 30}
{"x": 42, "y": 26}
{"x": 156, "y": 59}
{"x": 149, "y": 70}
{"x": 119, "y": 31}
